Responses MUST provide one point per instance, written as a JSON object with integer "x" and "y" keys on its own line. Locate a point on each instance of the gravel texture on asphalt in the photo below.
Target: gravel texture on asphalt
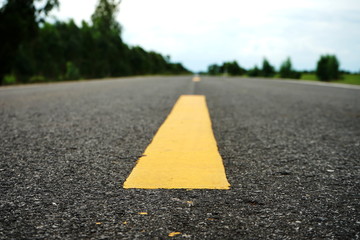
{"x": 291, "y": 152}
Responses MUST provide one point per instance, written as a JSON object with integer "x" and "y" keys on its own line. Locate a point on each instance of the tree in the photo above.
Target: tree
{"x": 34, "y": 50}
{"x": 267, "y": 70}
{"x": 232, "y": 68}
{"x": 178, "y": 68}
{"x": 254, "y": 72}
{"x": 286, "y": 70}
{"x": 104, "y": 17}
{"x": 72, "y": 72}
{"x": 328, "y": 68}
{"x": 19, "y": 24}
{"x": 214, "y": 69}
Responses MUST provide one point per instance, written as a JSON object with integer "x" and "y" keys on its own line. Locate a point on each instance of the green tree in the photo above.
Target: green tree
{"x": 254, "y": 72}
{"x": 232, "y": 68}
{"x": 19, "y": 24}
{"x": 33, "y": 50}
{"x": 328, "y": 68}
{"x": 267, "y": 69}
{"x": 72, "y": 72}
{"x": 104, "y": 17}
{"x": 214, "y": 69}
{"x": 108, "y": 46}
{"x": 139, "y": 61}
{"x": 286, "y": 70}
{"x": 178, "y": 68}
{"x": 49, "y": 51}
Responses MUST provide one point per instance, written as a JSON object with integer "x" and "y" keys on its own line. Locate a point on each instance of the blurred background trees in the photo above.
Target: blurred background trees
{"x": 234, "y": 69}
{"x": 33, "y": 50}
{"x": 328, "y": 68}
{"x": 214, "y": 70}
{"x": 254, "y": 72}
{"x": 19, "y": 25}
{"x": 267, "y": 69}
{"x": 287, "y": 71}
{"x": 227, "y": 68}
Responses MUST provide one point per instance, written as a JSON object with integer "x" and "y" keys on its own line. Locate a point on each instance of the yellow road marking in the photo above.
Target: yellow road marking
{"x": 183, "y": 153}
{"x": 196, "y": 79}
{"x": 173, "y": 234}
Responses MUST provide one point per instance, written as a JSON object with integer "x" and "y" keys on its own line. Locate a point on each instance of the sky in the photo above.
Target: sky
{"x": 198, "y": 33}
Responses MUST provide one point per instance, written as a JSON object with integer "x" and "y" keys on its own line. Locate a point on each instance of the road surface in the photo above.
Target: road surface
{"x": 291, "y": 153}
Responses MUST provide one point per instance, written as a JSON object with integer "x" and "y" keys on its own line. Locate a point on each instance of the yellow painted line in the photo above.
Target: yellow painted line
{"x": 183, "y": 153}
{"x": 173, "y": 234}
{"x": 196, "y": 79}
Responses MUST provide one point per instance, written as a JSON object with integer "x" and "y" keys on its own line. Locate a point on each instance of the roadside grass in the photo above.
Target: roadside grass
{"x": 346, "y": 78}
{"x": 309, "y": 77}
{"x": 350, "y": 79}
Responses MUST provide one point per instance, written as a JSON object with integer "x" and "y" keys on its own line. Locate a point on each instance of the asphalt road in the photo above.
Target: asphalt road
{"x": 291, "y": 153}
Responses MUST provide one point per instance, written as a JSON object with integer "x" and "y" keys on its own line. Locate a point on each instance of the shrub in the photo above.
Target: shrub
{"x": 9, "y": 79}
{"x": 37, "y": 79}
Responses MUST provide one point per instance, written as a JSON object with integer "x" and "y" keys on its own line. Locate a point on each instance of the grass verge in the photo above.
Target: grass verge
{"x": 346, "y": 78}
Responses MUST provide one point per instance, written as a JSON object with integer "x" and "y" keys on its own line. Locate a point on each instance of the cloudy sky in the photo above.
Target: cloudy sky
{"x": 202, "y": 32}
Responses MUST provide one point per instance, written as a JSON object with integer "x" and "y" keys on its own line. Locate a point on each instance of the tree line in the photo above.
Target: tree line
{"x": 35, "y": 50}
{"x": 327, "y": 69}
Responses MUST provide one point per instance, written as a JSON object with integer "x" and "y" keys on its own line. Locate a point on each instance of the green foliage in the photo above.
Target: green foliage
{"x": 47, "y": 6}
{"x": 328, "y": 68}
{"x": 19, "y": 25}
{"x": 230, "y": 68}
{"x": 104, "y": 17}
{"x": 63, "y": 50}
{"x": 9, "y": 79}
{"x": 37, "y": 79}
{"x": 214, "y": 69}
{"x": 72, "y": 72}
{"x": 345, "y": 78}
{"x": 286, "y": 70}
{"x": 350, "y": 79}
{"x": 254, "y": 72}
{"x": 309, "y": 77}
{"x": 178, "y": 68}
{"x": 267, "y": 69}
